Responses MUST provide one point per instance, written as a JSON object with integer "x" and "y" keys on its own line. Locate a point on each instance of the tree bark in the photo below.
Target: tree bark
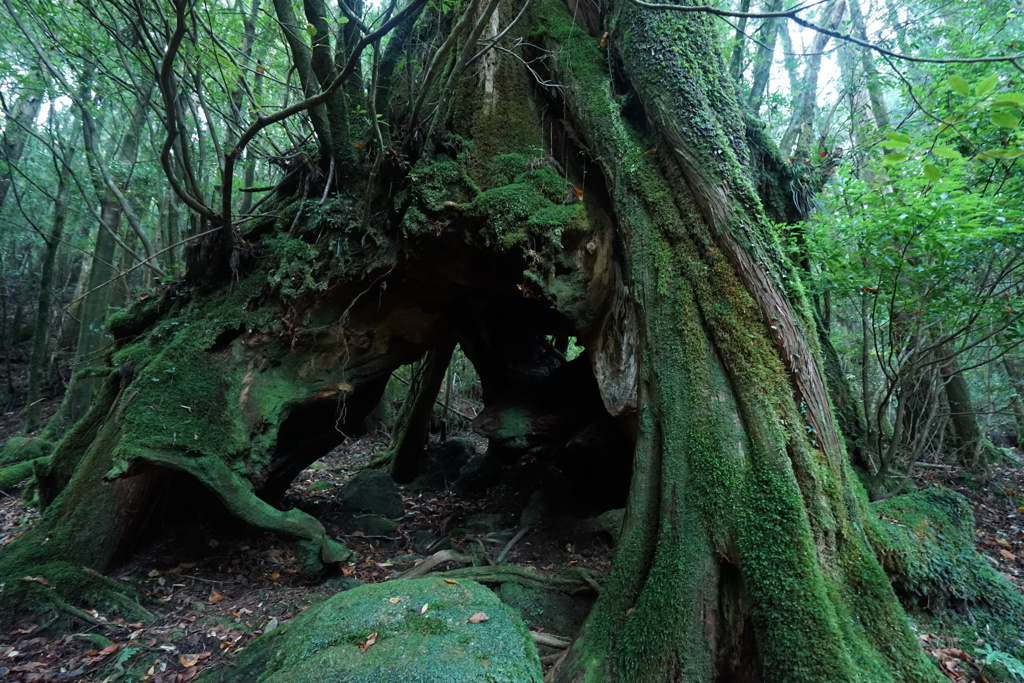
{"x": 414, "y": 417}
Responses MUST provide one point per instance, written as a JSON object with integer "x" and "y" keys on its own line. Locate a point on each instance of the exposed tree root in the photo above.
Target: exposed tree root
{"x": 572, "y": 581}
{"x": 550, "y": 640}
{"x": 512, "y": 541}
{"x": 437, "y": 558}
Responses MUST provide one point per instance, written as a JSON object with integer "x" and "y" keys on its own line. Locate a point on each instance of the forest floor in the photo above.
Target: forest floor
{"x": 213, "y": 592}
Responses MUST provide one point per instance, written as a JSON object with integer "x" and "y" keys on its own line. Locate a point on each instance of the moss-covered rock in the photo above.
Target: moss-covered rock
{"x": 554, "y": 611}
{"x": 414, "y": 631}
{"x": 22, "y": 449}
{"x": 925, "y": 543}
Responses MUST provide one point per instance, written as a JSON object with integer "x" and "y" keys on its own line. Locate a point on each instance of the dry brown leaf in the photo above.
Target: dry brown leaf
{"x": 36, "y": 579}
{"x": 477, "y": 618}
{"x": 1007, "y": 554}
{"x": 395, "y": 601}
{"x": 368, "y": 643}
{"x": 109, "y": 650}
{"x": 452, "y": 581}
{"x": 188, "y": 660}
{"x": 216, "y": 596}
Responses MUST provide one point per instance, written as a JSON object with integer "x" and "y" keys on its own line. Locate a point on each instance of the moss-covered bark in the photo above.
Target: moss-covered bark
{"x": 743, "y": 555}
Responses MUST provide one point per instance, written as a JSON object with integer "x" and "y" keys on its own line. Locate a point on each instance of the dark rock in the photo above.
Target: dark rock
{"x": 485, "y": 523}
{"x": 481, "y": 473}
{"x": 441, "y": 464}
{"x": 376, "y": 526}
{"x": 372, "y": 492}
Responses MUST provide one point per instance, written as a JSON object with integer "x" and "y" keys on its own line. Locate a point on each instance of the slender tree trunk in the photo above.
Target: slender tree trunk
{"x": 1015, "y": 372}
{"x": 968, "y": 438}
{"x": 20, "y": 120}
{"x": 799, "y": 136}
{"x": 41, "y": 331}
{"x": 95, "y": 307}
{"x": 765, "y": 56}
{"x": 739, "y": 46}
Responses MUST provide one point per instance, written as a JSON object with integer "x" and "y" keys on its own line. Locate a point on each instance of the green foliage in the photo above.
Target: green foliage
{"x": 1013, "y": 666}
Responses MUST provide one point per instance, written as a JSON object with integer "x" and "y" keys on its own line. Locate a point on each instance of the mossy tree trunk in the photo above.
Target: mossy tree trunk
{"x": 971, "y": 447}
{"x": 617, "y": 207}
{"x": 743, "y": 555}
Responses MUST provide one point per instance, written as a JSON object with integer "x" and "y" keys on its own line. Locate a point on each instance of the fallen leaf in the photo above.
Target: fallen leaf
{"x": 452, "y": 581}
{"x": 395, "y": 601}
{"x": 216, "y": 596}
{"x": 477, "y": 618}
{"x": 368, "y": 643}
{"x": 1007, "y": 555}
{"x": 36, "y": 579}
{"x": 189, "y": 660}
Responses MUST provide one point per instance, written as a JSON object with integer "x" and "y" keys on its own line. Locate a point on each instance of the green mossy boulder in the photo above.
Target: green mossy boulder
{"x": 925, "y": 541}
{"x": 611, "y": 521}
{"x": 327, "y": 642}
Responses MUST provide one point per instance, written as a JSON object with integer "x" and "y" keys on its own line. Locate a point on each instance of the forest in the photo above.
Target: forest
{"x": 511, "y": 340}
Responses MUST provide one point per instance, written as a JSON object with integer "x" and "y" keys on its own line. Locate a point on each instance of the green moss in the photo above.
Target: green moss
{"x": 925, "y": 543}
{"x": 443, "y": 183}
{"x": 530, "y": 212}
{"x": 14, "y": 474}
{"x": 21, "y": 449}
{"x": 59, "y": 592}
{"x": 503, "y": 169}
{"x": 422, "y": 636}
{"x": 294, "y": 266}
{"x": 135, "y": 319}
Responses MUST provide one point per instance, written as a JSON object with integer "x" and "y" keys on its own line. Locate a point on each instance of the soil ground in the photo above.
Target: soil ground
{"x": 213, "y": 592}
